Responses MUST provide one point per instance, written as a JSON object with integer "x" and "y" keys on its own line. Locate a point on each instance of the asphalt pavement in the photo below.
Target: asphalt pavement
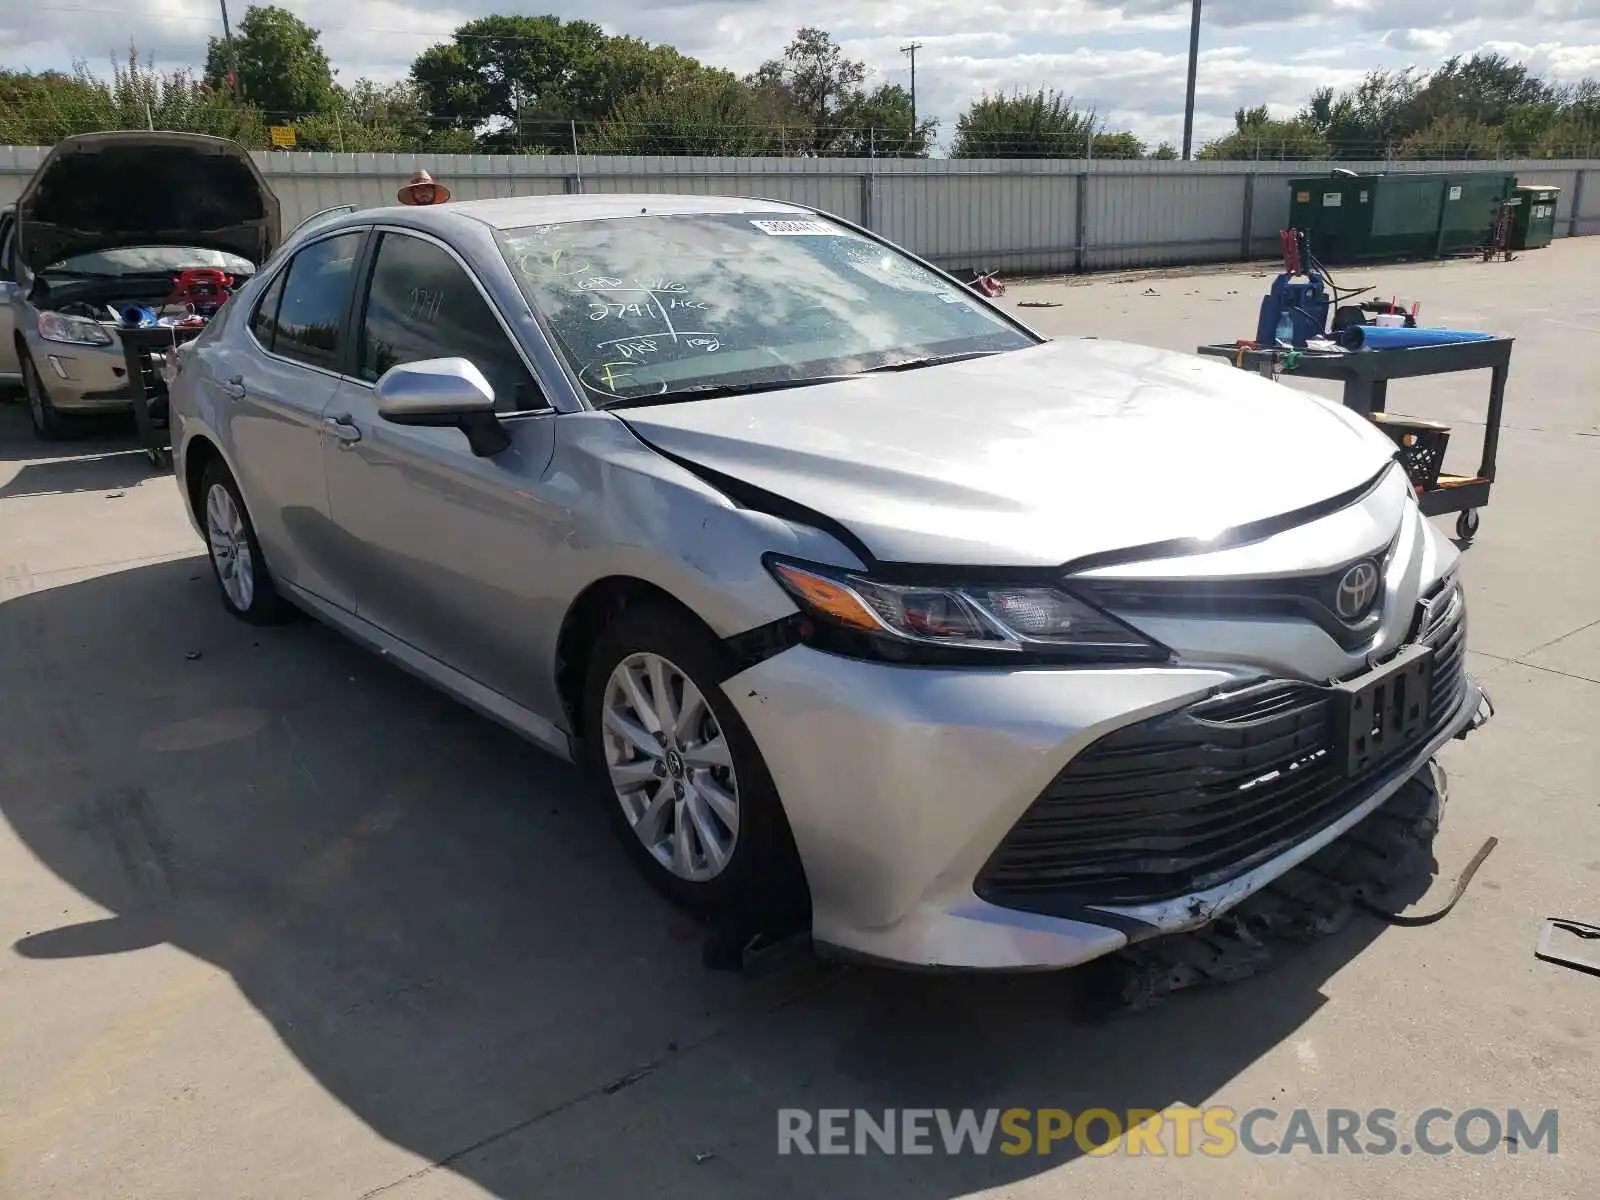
{"x": 278, "y": 921}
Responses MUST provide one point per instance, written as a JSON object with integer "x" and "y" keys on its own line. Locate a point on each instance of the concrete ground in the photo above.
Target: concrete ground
{"x": 276, "y": 921}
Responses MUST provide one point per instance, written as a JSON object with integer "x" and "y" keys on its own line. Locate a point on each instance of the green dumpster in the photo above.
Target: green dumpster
{"x": 1533, "y": 220}
{"x": 1366, "y": 218}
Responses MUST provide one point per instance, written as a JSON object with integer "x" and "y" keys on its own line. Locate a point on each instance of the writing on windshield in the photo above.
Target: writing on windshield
{"x": 650, "y": 304}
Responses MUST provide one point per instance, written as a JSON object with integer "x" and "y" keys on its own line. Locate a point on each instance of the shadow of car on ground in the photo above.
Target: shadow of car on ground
{"x": 434, "y": 918}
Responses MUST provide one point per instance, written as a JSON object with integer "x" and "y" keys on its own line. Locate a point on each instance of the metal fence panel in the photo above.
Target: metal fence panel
{"x": 1018, "y": 216}
{"x": 1144, "y": 220}
{"x": 839, "y": 194}
{"x": 1017, "y": 222}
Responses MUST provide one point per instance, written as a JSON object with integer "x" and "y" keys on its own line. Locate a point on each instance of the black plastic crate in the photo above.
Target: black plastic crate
{"x": 1422, "y": 446}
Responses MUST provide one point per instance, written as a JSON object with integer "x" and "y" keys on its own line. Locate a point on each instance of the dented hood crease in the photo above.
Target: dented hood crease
{"x": 103, "y": 191}
{"x": 1031, "y": 458}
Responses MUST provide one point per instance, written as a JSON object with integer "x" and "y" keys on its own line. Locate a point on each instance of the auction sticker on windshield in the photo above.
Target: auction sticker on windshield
{"x": 799, "y": 228}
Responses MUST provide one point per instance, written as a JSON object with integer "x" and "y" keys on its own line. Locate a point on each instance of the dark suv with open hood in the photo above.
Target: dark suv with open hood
{"x": 99, "y": 242}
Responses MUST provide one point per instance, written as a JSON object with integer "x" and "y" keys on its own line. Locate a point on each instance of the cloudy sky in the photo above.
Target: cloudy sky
{"x": 1126, "y": 58}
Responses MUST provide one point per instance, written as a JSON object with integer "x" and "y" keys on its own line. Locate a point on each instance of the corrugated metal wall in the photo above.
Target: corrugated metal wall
{"x": 1015, "y": 216}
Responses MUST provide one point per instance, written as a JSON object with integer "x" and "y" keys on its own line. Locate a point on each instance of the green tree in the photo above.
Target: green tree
{"x": 518, "y": 81}
{"x": 1483, "y": 89}
{"x": 1575, "y": 133}
{"x": 1454, "y": 137}
{"x": 372, "y": 117}
{"x": 1371, "y": 118}
{"x": 1389, "y": 110}
{"x": 281, "y": 67}
{"x": 1257, "y": 136}
{"x": 709, "y": 113}
{"x": 817, "y": 89}
{"x": 1525, "y": 125}
{"x": 1041, "y": 124}
{"x": 1117, "y": 145}
{"x": 1573, "y": 136}
{"x": 1166, "y": 151}
{"x": 513, "y": 71}
{"x": 618, "y": 68}
{"x": 878, "y": 125}
{"x": 39, "y": 110}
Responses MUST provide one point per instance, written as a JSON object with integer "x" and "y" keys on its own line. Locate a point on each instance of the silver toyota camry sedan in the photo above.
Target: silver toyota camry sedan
{"x": 848, "y": 589}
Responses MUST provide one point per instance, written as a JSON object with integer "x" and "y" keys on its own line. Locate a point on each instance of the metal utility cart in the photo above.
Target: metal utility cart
{"x": 1366, "y": 375}
{"x": 147, "y": 351}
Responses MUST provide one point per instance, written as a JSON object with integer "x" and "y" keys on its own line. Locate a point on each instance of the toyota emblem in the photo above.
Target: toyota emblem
{"x": 1358, "y": 588}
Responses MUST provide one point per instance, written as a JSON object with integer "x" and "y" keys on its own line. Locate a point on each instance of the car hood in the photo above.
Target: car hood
{"x": 1037, "y": 457}
{"x": 102, "y": 191}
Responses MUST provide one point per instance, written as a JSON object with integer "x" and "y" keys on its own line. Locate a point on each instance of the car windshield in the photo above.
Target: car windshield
{"x": 148, "y": 260}
{"x": 679, "y": 306}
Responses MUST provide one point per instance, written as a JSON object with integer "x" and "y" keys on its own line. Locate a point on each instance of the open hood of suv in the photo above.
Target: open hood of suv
{"x": 1035, "y": 457}
{"x": 102, "y": 191}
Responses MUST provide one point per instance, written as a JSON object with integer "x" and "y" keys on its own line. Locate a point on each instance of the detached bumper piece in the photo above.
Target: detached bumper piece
{"x": 1181, "y": 802}
{"x": 1386, "y": 858}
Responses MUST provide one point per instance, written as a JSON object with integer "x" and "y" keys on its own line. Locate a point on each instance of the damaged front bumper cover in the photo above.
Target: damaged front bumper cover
{"x": 1014, "y": 940}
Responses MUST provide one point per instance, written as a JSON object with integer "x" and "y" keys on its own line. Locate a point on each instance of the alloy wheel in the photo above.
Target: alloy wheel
{"x": 670, "y": 767}
{"x": 230, "y": 547}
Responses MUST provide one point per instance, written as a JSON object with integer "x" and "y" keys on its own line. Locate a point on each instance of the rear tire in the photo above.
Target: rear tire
{"x": 48, "y": 424}
{"x": 240, "y": 569}
{"x": 683, "y": 782}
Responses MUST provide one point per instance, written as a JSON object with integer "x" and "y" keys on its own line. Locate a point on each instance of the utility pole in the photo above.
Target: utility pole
{"x": 1194, "y": 64}
{"x": 912, "y": 51}
{"x": 233, "y": 59}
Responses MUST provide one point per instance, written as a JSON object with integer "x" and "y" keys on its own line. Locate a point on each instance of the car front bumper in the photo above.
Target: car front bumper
{"x": 900, "y": 783}
{"x": 82, "y": 379}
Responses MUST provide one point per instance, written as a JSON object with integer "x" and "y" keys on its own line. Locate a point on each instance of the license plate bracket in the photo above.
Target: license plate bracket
{"x": 1385, "y": 710}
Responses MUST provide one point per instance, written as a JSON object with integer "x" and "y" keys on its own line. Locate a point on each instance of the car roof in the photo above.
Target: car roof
{"x": 512, "y": 212}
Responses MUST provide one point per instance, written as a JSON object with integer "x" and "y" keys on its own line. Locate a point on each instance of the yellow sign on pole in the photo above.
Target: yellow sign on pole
{"x": 282, "y": 135}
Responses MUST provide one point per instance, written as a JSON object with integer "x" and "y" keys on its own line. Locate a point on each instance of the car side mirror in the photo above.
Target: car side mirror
{"x": 443, "y": 393}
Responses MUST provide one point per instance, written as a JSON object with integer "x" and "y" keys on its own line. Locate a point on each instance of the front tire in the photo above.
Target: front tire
{"x": 248, "y": 591}
{"x": 686, "y": 788}
{"x": 48, "y": 424}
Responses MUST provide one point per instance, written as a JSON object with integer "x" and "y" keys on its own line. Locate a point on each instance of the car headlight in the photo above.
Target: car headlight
{"x": 919, "y": 623}
{"x": 75, "y": 331}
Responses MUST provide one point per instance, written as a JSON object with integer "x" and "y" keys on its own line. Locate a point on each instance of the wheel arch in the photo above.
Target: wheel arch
{"x": 591, "y": 611}
{"x": 198, "y": 454}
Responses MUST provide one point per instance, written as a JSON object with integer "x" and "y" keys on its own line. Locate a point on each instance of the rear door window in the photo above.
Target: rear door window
{"x": 316, "y": 291}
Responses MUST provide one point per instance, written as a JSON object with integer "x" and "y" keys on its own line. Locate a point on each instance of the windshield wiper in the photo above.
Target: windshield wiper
{"x": 929, "y": 360}
{"x": 711, "y": 391}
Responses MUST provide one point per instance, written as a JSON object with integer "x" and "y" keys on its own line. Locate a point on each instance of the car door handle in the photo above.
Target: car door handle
{"x": 342, "y": 428}
{"x": 234, "y": 387}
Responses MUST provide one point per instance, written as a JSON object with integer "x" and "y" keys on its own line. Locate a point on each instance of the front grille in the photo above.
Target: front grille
{"x": 1188, "y": 799}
